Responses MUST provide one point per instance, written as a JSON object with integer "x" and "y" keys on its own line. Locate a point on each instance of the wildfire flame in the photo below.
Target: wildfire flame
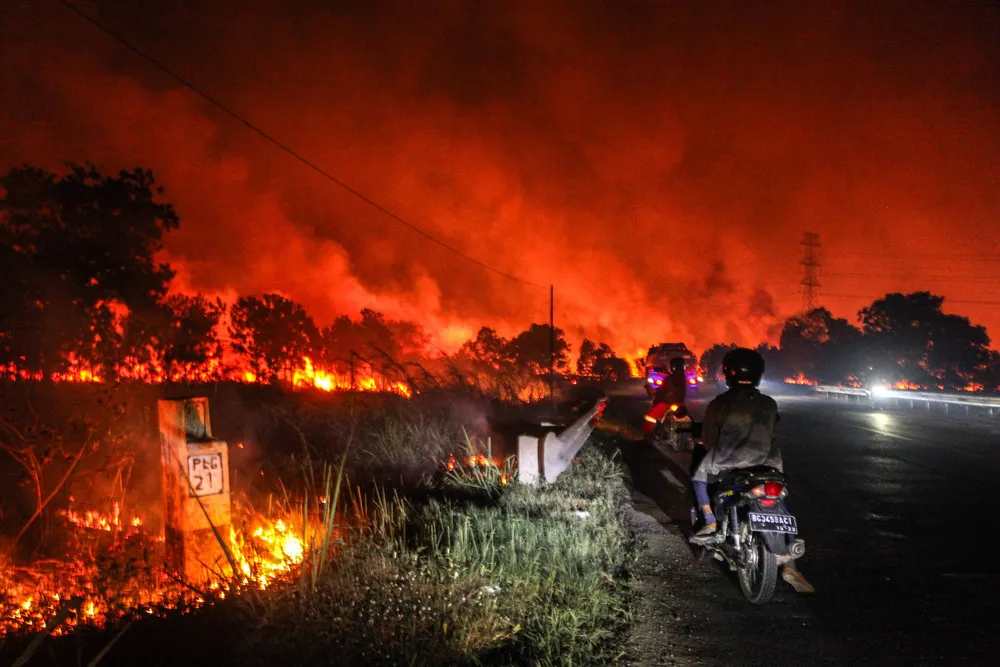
{"x": 273, "y": 549}
{"x": 478, "y": 460}
{"x": 800, "y": 379}
{"x": 305, "y": 375}
{"x": 264, "y": 549}
{"x": 905, "y": 385}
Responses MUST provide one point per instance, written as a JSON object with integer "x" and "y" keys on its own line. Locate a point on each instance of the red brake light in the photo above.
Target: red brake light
{"x": 767, "y": 502}
{"x": 773, "y": 489}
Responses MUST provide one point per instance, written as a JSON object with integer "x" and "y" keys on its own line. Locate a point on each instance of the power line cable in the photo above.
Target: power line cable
{"x": 887, "y": 276}
{"x": 930, "y": 256}
{"x": 312, "y": 165}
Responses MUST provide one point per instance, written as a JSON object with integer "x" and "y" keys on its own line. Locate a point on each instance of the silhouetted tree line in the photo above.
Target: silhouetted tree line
{"x": 83, "y": 293}
{"x": 901, "y": 339}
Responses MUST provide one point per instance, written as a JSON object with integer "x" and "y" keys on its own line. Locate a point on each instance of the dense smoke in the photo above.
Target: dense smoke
{"x": 657, "y": 162}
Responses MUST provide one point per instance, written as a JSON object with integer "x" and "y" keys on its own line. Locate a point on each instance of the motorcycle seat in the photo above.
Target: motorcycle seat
{"x": 746, "y": 476}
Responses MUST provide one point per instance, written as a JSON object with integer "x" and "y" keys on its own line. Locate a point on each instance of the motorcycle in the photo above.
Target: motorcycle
{"x": 669, "y": 425}
{"x": 756, "y": 533}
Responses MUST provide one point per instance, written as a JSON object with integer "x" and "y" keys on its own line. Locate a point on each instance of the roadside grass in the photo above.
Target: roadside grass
{"x": 466, "y": 567}
{"x": 510, "y": 576}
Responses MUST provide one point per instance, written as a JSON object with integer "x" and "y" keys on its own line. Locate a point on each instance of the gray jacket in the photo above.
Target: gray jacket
{"x": 739, "y": 433}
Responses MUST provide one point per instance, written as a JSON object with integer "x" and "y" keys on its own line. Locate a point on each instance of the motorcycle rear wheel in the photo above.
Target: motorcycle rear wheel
{"x": 758, "y": 571}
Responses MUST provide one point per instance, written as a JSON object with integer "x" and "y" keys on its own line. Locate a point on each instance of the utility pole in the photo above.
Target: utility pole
{"x": 552, "y": 346}
{"x": 354, "y": 384}
{"x": 810, "y": 263}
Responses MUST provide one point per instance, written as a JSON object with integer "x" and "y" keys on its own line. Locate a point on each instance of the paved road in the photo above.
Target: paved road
{"x": 902, "y": 529}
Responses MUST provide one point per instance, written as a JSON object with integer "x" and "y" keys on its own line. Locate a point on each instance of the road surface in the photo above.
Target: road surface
{"x": 899, "y": 516}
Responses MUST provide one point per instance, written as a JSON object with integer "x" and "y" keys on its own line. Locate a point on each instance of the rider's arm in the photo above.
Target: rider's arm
{"x": 710, "y": 427}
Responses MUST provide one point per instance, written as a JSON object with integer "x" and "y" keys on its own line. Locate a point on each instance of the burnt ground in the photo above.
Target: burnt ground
{"x": 895, "y": 509}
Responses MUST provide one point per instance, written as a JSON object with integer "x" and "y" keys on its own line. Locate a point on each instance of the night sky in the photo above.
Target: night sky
{"x": 657, "y": 161}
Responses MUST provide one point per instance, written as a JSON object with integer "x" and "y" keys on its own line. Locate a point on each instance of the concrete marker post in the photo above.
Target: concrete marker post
{"x": 529, "y": 469}
{"x": 196, "y": 494}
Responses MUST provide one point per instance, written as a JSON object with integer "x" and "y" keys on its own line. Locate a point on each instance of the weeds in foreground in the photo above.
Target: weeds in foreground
{"x": 506, "y": 575}
{"x": 541, "y": 576}
{"x": 478, "y": 471}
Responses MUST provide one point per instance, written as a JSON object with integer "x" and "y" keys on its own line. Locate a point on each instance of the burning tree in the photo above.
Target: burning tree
{"x": 189, "y": 345}
{"x": 80, "y": 276}
{"x": 711, "y": 360}
{"x": 488, "y": 351}
{"x": 513, "y": 368}
{"x": 912, "y": 340}
{"x": 600, "y": 361}
{"x": 272, "y": 333}
{"x": 531, "y": 349}
{"x": 821, "y": 347}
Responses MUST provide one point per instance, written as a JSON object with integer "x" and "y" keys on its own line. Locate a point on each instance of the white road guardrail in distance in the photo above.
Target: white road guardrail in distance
{"x": 545, "y": 458}
{"x": 844, "y": 391}
{"x": 912, "y": 399}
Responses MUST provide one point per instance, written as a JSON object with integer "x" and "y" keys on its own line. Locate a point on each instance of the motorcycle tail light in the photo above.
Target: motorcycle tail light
{"x": 773, "y": 489}
{"x": 768, "y": 502}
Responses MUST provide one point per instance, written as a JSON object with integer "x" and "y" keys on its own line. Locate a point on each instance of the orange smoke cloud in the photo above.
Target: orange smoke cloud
{"x": 656, "y": 163}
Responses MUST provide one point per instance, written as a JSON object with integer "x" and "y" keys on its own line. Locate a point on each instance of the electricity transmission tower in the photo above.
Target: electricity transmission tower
{"x": 810, "y": 263}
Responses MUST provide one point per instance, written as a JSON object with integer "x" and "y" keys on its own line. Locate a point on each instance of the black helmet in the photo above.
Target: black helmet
{"x": 677, "y": 365}
{"x": 743, "y": 367}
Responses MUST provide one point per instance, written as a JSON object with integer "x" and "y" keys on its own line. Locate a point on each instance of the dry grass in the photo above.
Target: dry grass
{"x": 457, "y": 567}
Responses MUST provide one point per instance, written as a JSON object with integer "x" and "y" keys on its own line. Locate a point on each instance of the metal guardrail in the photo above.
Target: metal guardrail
{"x": 845, "y": 391}
{"x": 546, "y": 458}
{"x": 911, "y": 399}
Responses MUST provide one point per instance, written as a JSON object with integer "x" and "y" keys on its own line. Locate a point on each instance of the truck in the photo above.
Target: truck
{"x": 658, "y": 365}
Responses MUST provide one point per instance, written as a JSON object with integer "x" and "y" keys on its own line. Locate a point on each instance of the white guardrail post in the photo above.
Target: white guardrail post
{"x": 545, "y": 458}
{"x": 913, "y": 399}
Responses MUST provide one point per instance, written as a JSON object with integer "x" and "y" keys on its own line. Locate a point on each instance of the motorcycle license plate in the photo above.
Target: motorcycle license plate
{"x": 773, "y": 523}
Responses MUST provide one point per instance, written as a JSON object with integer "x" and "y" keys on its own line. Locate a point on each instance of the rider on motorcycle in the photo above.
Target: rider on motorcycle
{"x": 738, "y": 432}
{"x": 674, "y": 387}
{"x": 673, "y": 391}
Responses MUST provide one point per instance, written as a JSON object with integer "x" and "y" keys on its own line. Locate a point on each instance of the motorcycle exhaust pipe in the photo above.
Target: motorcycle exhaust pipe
{"x": 797, "y": 549}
